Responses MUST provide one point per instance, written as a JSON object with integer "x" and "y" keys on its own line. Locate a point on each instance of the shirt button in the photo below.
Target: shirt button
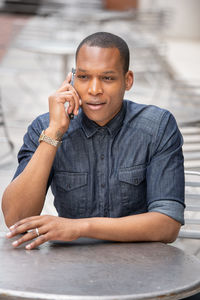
{"x": 102, "y": 156}
{"x": 103, "y": 185}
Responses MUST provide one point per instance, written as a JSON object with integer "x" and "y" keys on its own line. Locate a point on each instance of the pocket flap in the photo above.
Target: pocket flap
{"x": 132, "y": 176}
{"x": 70, "y": 181}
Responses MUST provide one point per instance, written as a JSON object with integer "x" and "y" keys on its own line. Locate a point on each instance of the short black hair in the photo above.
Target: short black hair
{"x": 108, "y": 40}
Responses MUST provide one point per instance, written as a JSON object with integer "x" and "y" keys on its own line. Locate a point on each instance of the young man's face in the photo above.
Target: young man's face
{"x": 100, "y": 82}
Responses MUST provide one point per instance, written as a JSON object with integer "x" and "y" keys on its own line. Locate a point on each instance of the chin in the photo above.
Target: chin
{"x": 100, "y": 122}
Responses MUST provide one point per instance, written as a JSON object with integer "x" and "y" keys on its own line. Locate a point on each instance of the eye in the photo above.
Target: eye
{"x": 83, "y": 77}
{"x": 108, "y": 78}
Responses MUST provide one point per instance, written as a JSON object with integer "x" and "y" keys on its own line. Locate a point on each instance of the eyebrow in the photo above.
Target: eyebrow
{"x": 81, "y": 70}
{"x": 109, "y": 72}
{"x": 105, "y": 72}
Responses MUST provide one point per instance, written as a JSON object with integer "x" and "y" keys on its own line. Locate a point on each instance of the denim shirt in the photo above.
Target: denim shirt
{"x": 132, "y": 165}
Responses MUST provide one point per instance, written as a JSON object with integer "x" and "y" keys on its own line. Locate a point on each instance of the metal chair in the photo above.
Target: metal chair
{"x": 191, "y": 229}
{"x": 191, "y": 147}
{"x": 5, "y": 137}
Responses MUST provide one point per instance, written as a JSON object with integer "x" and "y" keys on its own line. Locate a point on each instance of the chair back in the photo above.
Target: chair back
{"x": 191, "y": 229}
{"x": 4, "y": 136}
{"x": 191, "y": 147}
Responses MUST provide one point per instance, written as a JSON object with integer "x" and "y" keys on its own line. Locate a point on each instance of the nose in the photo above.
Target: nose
{"x": 95, "y": 87}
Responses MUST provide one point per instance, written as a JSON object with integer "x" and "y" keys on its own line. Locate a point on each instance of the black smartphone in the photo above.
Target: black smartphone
{"x": 71, "y": 116}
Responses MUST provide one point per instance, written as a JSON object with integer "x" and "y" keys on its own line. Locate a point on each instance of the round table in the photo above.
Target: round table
{"x": 59, "y": 48}
{"x": 93, "y": 269}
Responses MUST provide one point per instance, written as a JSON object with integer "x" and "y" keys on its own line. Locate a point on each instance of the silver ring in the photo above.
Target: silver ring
{"x": 37, "y": 231}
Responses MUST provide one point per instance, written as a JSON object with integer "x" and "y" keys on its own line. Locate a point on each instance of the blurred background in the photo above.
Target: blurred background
{"x": 37, "y": 45}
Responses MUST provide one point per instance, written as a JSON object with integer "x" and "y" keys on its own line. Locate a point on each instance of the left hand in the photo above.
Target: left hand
{"x": 49, "y": 228}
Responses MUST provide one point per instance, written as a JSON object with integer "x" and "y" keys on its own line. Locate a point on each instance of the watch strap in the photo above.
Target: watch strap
{"x": 47, "y": 139}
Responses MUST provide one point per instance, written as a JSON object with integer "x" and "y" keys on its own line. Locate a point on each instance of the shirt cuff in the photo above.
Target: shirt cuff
{"x": 171, "y": 208}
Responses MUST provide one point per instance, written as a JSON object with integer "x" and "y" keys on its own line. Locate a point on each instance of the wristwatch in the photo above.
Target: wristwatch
{"x": 49, "y": 140}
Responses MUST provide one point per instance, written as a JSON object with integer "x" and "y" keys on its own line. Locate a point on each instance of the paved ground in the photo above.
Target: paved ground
{"x": 26, "y": 80}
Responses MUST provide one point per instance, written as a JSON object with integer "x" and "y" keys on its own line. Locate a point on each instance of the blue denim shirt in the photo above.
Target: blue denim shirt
{"x": 132, "y": 165}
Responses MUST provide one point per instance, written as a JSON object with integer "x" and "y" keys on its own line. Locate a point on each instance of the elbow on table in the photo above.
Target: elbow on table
{"x": 7, "y": 218}
{"x": 171, "y": 235}
{"x": 8, "y": 221}
{"x": 170, "y": 239}
{"x": 9, "y": 212}
{"x": 10, "y": 217}
{"x": 166, "y": 228}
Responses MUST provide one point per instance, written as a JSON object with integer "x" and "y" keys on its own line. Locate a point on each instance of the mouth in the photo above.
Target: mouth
{"x": 95, "y": 105}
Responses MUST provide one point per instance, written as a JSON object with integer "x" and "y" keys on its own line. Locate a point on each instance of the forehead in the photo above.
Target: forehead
{"x": 90, "y": 58}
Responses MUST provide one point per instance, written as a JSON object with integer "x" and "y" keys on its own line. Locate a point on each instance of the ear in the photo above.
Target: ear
{"x": 129, "y": 79}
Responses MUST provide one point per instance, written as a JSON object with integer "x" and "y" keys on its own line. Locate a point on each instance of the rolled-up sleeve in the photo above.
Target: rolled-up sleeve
{"x": 165, "y": 172}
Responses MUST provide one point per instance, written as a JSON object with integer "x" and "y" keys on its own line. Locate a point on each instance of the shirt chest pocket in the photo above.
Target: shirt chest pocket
{"x": 132, "y": 183}
{"x": 71, "y": 194}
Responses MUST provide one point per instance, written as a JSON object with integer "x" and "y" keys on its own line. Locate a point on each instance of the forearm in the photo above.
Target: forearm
{"x": 26, "y": 194}
{"x": 150, "y": 226}
{"x": 145, "y": 227}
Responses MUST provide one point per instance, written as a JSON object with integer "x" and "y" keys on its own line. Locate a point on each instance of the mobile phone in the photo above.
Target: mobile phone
{"x": 73, "y": 75}
{"x": 71, "y": 116}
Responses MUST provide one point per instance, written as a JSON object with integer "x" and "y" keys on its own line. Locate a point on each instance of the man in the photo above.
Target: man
{"x": 118, "y": 173}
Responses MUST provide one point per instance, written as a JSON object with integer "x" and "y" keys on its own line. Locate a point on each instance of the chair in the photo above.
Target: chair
{"x": 191, "y": 229}
{"x": 191, "y": 147}
{"x": 5, "y": 137}
{"x": 192, "y": 217}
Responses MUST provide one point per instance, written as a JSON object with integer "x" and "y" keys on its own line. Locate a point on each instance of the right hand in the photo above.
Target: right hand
{"x": 59, "y": 119}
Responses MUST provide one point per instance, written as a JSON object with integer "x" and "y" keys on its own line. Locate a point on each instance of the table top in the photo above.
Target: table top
{"x": 47, "y": 47}
{"x": 93, "y": 269}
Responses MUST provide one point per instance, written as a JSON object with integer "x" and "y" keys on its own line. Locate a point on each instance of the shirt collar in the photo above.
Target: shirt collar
{"x": 90, "y": 127}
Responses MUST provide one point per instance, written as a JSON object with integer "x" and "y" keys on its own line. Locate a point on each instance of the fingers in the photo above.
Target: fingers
{"x": 37, "y": 236}
{"x": 40, "y": 229}
{"x": 37, "y": 242}
{"x": 67, "y": 99}
{"x": 33, "y": 237}
{"x": 69, "y": 77}
{"x": 24, "y": 225}
{"x": 71, "y": 98}
{"x": 67, "y": 80}
{"x": 67, "y": 87}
